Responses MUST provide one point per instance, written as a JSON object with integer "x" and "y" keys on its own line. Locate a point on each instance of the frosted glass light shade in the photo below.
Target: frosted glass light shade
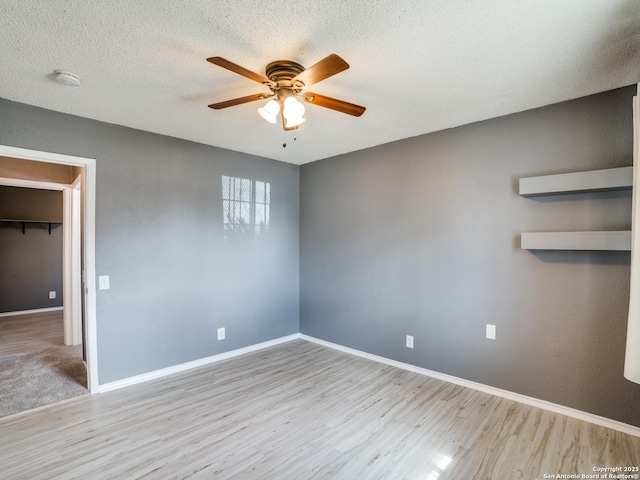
{"x": 291, "y": 123}
{"x": 270, "y": 111}
{"x": 293, "y": 109}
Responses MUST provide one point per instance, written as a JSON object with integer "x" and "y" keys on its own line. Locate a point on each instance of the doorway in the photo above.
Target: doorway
{"x": 84, "y": 234}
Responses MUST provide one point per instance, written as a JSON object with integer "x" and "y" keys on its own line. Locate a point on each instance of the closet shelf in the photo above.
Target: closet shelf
{"x": 578, "y": 182}
{"x": 17, "y": 220}
{"x": 613, "y": 240}
{"x": 24, "y": 223}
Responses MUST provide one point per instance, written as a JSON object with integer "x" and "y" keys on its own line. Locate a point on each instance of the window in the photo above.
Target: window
{"x": 246, "y": 205}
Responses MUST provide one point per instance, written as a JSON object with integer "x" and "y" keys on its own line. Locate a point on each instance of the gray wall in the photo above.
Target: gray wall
{"x": 160, "y": 237}
{"x": 421, "y": 237}
{"x": 30, "y": 263}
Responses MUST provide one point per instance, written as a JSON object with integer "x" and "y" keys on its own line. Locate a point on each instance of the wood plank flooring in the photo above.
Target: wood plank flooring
{"x": 302, "y": 411}
{"x": 31, "y": 332}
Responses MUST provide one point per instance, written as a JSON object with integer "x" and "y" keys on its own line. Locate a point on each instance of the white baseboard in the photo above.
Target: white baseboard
{"x": 194, "y": 364}
{"x": 534, "y": 402}
{"x": 36, "y": 310}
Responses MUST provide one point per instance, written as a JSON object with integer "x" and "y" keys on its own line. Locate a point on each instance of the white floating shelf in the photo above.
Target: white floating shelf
{"x": 617, "y": 240}
{"x": 578, "y": 182}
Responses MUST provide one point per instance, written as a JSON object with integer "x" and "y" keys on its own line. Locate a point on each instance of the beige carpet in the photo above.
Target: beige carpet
{"x": 30, "y": 380}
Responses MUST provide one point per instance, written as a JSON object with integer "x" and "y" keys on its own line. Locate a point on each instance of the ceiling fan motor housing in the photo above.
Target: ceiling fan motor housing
{"x": 283, "y": 70}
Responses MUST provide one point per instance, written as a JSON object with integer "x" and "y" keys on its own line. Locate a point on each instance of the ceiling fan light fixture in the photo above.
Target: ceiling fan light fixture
{"x": 270, "y": 111}
{"x": 293, "y": 109}
{"x": 286, "y": 79}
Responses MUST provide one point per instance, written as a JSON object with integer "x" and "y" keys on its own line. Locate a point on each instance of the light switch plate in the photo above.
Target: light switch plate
{"x": 491, "y": 331}
{"x": 103, "y": 282}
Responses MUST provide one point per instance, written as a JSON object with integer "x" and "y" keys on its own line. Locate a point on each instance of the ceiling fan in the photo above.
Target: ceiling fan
{"x": 287, "y": 80}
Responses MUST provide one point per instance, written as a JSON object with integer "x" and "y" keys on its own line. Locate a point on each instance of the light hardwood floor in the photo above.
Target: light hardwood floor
{"x": 31, "y": 332}
{"x": 302, "y": 411}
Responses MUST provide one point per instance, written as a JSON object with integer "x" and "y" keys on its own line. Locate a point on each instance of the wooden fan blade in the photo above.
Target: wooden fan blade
{"x": 239, "y": 101}
{"x": 224, "y": 63}
{"x": 325, "y": 68}
{"x": 334, "y": 104}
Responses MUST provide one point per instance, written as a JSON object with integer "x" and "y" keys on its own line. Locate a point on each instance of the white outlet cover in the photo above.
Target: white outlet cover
{"x": 491, "y": 331}
{"x": 221, "y": 334}
{"x": 52, "y": 294}
{"x": 409, "y": 341}
{"x": 103, "y": 282}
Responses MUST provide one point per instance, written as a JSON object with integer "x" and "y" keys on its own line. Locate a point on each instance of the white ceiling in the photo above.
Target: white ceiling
{"x": 417, "y": 65}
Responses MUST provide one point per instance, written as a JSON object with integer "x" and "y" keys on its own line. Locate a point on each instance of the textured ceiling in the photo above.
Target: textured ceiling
{"x": 417, "y": 65}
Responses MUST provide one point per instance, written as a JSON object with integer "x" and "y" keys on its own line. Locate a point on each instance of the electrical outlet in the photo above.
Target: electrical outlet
{"x": 491, "y": 332}
{"x": 52, "y": 294}
{"x": 221, "y": 334}
{"x": 409, "y": 341}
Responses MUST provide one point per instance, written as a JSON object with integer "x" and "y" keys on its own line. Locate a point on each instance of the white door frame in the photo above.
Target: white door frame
{"x": 71, "y": 269}
{"x": 91, "y": 341}
{"x": 73, "y": 303}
